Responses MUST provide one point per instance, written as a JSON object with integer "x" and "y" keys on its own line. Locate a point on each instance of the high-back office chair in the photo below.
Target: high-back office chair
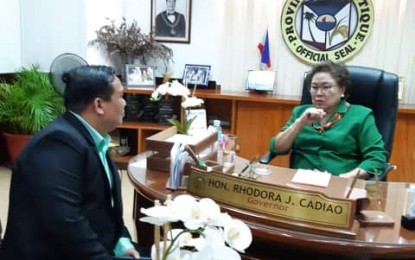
{"x": 372, "y": 88}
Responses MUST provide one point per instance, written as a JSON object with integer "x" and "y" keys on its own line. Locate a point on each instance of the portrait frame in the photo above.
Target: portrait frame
{"x": 167, "y": 31}
{"x": 139, "y": 76}
{"x": 196, "y": 74}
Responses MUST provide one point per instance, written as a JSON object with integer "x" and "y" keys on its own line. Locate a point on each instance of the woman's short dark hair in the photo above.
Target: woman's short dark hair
{"x": 85, "y": 83}
{"x": 337, "y": 70}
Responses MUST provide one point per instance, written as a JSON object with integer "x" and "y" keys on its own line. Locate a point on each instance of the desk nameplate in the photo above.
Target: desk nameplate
{"x": 283, "y": 203}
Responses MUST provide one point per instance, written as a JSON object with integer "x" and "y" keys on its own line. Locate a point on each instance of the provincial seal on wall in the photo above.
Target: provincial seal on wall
{"x": 318, "y": 30}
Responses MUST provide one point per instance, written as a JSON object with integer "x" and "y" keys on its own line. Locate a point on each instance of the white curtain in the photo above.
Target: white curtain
{"x": 390, "y": 46}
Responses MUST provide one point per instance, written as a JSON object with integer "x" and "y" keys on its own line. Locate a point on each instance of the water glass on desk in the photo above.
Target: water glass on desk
{"x": 410, "y": 200}
{"x": 228, "y": 151}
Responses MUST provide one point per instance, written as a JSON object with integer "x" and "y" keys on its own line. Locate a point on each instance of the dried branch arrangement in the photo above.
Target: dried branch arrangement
{"x": 128, "y": 41}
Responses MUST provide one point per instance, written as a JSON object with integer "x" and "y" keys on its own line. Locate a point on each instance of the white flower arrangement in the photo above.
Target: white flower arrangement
{"x": 191, "y": 102}
{"x": 209, "y": 232}
{"x": 175, "y": 88}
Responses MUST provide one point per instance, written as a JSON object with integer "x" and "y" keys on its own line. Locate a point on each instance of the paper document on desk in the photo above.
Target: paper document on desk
{"x": 188, "y": 139}
{"x": 139, "y": 164}
{"x": 310, "y": 177}
{"x": 357, "y": 193}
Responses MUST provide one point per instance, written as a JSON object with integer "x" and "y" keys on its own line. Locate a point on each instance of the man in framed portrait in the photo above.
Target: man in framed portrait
{"x": 170, "y": 23}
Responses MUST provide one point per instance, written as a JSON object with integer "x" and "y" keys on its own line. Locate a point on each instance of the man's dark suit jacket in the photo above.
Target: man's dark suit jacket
{"x": 168, "y": 29}
{"x": 60, "y": 199}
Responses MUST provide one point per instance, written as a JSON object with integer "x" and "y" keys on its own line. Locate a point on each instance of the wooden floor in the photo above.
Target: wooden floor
{"x": 127, "y": 193}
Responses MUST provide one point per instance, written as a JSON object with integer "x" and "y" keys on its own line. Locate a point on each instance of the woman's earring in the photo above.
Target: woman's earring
{"x": 342, "y": 95}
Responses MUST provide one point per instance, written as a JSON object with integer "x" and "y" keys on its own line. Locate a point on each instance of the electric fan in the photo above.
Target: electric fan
{"x": 62, "y": 64}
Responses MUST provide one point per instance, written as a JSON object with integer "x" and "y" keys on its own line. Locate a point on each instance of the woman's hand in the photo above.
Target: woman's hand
{"x": 310, "y": 115}
{"x": 362, "y": 174}
{"x": 285, "y": 139}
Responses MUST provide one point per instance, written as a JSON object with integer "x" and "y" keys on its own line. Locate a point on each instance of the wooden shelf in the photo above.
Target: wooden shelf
{"x": 143, "y": 125}
{"x": 139, "y": 91}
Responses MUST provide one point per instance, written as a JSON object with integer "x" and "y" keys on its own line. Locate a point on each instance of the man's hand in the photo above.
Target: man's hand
{"x": 133, "y": 253}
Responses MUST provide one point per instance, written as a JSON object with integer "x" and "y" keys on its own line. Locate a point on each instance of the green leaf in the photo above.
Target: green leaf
{"x": 182, "y": 127}
{"x": 29, "y": 103}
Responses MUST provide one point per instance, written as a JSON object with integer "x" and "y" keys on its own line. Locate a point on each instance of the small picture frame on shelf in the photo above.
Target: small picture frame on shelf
{"x": 199, "y": 124}
{"x": 139, "y": 76}
{"x": 196, "y": 74}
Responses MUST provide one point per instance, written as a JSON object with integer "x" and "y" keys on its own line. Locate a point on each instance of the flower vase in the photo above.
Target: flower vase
{"x": 165, "y": 110}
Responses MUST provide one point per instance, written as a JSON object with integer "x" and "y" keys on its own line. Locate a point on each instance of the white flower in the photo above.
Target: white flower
{"x": 174, "y": 88}
{"x": 208, "y": 231}
{"x": 192, "y": 102}
{"x": 155, "y": 95}
{"x": 237, "y": 234}
{"x": 213, "y": 238}
{"x": 214, "y": 247}
{"x": 162, "y": 89}
{"x": 217, "y": 253}
{"x": 209, "y": 208}
{"x": 177, "y": 89}
{"x": 184, "y": 238}
{"x": 220, "y": 220}
{"x": 159, "y": 215}
{"x": 184, "y": 206}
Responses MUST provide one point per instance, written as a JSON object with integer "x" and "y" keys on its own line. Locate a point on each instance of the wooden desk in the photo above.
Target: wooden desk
{"x": 272, "y": 242}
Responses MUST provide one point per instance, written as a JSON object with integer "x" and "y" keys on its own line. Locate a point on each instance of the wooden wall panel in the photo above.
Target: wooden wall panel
{"x": 403, "y": 152}
{"x": 256, "y": 123}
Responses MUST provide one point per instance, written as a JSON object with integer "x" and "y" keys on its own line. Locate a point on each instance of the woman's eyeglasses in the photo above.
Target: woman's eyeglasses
{"x": 323, "y": 89}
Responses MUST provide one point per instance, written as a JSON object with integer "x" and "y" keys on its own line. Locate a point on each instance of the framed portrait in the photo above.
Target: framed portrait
{"x": 170, "y": 20}
{"x": 196, "y": 74}
{"x": 139, "y": 76}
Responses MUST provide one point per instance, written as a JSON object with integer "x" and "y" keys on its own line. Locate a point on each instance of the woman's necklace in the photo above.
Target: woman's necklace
{"x": 322, "y": 128}
{"x": 337, "y": 116}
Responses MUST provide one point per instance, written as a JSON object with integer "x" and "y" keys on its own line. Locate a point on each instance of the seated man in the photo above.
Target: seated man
{"x": 65, "y": 193}
{"x": 330, "y": 134}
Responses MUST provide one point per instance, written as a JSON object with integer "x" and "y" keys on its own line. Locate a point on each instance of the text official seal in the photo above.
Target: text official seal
{"x": 318, "y": 30}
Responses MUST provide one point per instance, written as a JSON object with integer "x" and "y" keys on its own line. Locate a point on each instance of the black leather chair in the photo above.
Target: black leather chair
{"x": 375, "y": 89}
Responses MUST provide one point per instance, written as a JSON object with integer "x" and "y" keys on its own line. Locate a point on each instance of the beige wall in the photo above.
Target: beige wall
{"x": 224, "y": 34}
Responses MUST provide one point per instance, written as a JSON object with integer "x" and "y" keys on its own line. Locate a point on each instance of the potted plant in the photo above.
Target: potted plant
{"x": 27, "y": 105}
{"x": 129, "y": 42}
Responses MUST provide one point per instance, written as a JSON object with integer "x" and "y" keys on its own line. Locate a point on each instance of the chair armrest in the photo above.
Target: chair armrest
{"x": 266, "y": 158}
{"x": 384, "y": 175}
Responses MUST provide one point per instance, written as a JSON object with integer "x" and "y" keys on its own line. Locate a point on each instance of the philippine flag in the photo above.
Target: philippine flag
{"x": 264, "y": 50}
